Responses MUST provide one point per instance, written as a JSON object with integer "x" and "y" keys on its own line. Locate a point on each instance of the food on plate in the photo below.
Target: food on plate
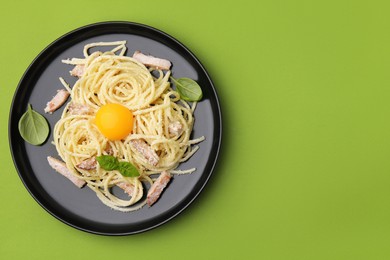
{"x": 152, "y": 61}
{"x": 125, "y": 127}
{"x": 114, "y": 121}
{"x": 157, "y": 187}
{"x": 33, "y": 127}
{"x": 61, "y": 168}
{"x": 58, "y": 100}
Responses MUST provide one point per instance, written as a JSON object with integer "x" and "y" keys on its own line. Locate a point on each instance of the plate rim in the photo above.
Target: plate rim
{"x": 139, "y": 26}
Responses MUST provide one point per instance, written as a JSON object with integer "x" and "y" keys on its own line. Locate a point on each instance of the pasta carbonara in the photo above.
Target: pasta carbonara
{"x": 160, "y": 138}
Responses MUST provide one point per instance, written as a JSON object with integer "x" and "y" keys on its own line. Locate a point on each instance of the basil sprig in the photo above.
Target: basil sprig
{"x": 110, "y": 163}
{"x": 188, "y": 89}
{"x": 33, "y": 127}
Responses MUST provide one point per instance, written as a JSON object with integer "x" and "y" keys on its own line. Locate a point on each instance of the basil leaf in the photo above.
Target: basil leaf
{"x": 127, "y": 169}
{"x": 188, "y": 89}
{"x": 108, "y": 162}
{"x": 33, "y": 127}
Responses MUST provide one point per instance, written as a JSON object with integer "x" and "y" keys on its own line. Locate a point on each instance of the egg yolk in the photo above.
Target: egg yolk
{"x": 114, "y": 121}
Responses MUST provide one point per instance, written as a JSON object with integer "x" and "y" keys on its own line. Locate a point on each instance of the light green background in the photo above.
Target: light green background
{"x": 304, "y": 171}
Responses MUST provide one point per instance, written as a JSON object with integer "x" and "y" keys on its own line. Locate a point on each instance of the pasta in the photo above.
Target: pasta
{"x": 162, "y": 124}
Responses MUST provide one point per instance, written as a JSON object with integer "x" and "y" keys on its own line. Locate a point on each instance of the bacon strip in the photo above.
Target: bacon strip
{"x": 109, "y": 149}
{"x": 175, "y": 128}
{"x": 78, "y": 70}
{"x": 79, "y": 109}
{"x": 152, "y": 61}
{"x": 61, "y": 168}
{"x": 126, "y": 187}
{"x": 88, "y": 164}
{"x": 143, "y": 148}
{"x": 57, "y": 101}
{"x": 157, "y": 187}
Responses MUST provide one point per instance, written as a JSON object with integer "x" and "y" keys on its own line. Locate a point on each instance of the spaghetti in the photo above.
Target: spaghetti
{"x": 162, "y": 123}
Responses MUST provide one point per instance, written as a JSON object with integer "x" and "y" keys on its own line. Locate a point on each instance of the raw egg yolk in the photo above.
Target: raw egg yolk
{"x": 114, "y": 121}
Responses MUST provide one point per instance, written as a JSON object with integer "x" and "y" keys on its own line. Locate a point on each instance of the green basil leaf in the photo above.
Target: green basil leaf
{"x": 127, "y": 169}
{"x": 33, "y": 127}
{"x": 108, "y": 162}
{"x": 188, "y": 89}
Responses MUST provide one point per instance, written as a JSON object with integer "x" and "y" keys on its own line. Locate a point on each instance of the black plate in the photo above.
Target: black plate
{"x": 80, "y": 208}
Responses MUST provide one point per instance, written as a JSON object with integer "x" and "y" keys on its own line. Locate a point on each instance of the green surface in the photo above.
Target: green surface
{"x": 304, "y": 171}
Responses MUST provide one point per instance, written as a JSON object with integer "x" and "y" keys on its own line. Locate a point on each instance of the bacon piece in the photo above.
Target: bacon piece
{"x": 175, "y": 128}
{"x": 126, "y": 187}
{"x": 88, "y": 164}
{"x": 78, "y": 70}
{"x": 151, "y": 61}
{"x": 57, "y": 101}
{"x": 109, "y": 149}
{"x": 143, "y": 148}
{"x": 61, "y": 168}
{"x": 79, "y": 109}
{"x": 157, "y": 187}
